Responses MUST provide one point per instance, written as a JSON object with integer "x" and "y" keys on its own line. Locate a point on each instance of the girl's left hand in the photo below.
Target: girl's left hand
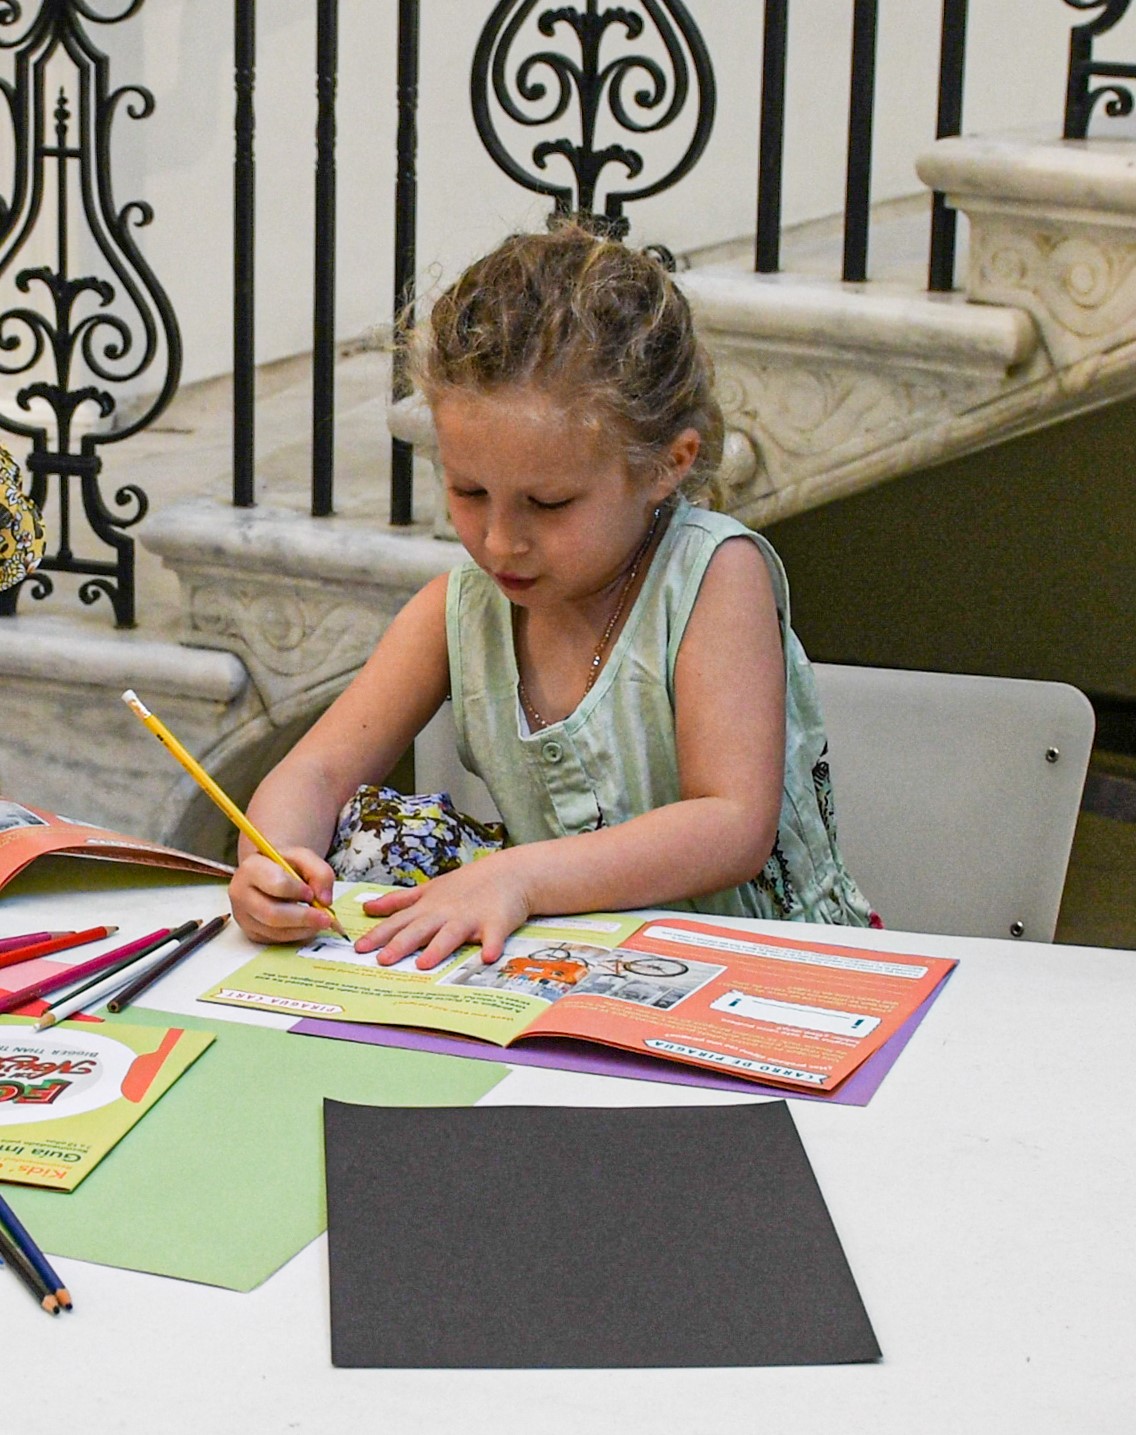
{"x": 485, "y": 901}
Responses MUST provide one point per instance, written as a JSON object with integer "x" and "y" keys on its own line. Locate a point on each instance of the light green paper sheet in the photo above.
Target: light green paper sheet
{"x": 223, "y": 1182}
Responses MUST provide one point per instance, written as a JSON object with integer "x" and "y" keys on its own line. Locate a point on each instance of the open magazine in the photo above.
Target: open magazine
{"x": 28, "y": 832}
{"x": 780, "y": 1009}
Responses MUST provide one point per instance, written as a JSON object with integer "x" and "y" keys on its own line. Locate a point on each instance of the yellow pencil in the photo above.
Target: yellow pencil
{"x": 225, "y": 803}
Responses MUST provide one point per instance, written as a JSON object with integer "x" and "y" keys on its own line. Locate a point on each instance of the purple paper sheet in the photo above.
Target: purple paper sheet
{"x": 569, "y": 1055}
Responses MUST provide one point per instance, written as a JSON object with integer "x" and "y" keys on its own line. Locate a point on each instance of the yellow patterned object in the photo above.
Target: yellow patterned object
{"x": 22, "y": 539}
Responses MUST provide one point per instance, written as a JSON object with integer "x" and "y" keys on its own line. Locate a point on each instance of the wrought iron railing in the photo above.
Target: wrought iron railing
{"x": 514, "y": 84}
{"x": 536, "y": 88}
{"x": 74, "y": 340}
{"x": 323, "y": 259}
{"x": 568, "y": 101}
{"x": 538, "y": 65}
{"x": 1082, "y": 95}
{"x": 858, "y": 171}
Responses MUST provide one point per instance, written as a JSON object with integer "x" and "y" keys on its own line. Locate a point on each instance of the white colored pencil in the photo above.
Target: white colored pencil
{"x": 95, "y": 993}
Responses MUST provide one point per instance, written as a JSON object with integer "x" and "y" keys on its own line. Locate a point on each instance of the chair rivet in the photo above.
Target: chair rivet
{"x": 1052, "y": 754}
{"x": 1017, "y": 928}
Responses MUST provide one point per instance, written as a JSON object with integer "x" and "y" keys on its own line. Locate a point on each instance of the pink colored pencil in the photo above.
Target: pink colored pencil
{"x": 8, "y": 944}
{"x": 72, "y": 975}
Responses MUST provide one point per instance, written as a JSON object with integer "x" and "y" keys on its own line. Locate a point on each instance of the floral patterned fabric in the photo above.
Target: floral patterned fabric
{"x": 22, "y": 540}
{"x": 403, "y": 840}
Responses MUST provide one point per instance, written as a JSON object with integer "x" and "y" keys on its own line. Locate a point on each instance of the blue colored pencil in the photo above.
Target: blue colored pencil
{"x": 24, "y": 1243}
{"x": 28, "y": 1273}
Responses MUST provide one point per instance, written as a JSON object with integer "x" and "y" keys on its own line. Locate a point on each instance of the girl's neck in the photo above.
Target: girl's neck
{"x": 562, "y": 683}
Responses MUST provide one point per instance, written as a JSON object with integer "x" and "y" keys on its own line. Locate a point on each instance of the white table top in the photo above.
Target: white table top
{"x": 983, "y": 1197}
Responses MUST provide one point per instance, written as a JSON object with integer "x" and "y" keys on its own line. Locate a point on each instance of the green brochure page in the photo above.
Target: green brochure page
{"x": 223, "y": 1182}
{"x": 329, "y": 980}
{"x": 70, "y": 1094}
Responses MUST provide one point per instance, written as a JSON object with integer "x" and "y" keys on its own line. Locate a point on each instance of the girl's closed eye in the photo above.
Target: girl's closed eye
{"x": 456, "y": 492}
{"x": 550, "y": 505}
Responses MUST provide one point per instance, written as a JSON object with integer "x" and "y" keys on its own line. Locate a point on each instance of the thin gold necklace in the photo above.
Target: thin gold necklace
{"x": 535, "y": 719}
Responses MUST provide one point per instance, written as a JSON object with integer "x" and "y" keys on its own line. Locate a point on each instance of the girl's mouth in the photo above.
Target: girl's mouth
{"x": 512, "y": 583}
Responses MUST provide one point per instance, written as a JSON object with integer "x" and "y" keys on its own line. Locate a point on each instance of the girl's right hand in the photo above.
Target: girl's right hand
{"x": 271, "y": 906}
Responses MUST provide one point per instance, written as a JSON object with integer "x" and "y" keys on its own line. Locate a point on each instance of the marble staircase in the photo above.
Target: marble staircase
{"x": 253, "y": 619}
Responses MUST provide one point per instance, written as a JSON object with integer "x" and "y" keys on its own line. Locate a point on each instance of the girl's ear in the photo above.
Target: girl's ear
{"x": 681, "y": 455}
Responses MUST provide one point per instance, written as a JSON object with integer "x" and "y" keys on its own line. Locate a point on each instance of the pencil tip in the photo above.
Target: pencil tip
{"x": 63, "y": 1295}
{"x": 44, "y": 1022}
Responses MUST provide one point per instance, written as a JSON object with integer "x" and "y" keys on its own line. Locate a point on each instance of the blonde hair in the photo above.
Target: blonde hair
{"x": 603, "y": 330}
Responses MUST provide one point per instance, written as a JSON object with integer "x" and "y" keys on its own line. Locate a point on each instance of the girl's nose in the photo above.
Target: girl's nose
{"x": 504, "y": 537}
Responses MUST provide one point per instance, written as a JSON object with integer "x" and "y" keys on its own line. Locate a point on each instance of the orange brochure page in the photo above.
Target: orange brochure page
{"x": 784, "y": 1010}
{"x": 29, "y": 832}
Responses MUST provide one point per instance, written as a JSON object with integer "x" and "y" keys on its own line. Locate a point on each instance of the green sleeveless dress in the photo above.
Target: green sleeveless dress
{"x": 614, "y": 757}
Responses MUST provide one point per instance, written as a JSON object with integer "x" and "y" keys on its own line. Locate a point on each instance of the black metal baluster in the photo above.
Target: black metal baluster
{"x": 952, "y": 67}
{"x": 1077, "y": 104}
{"x": 323, "y": 321}
{"x": 771, "y": 144}
{"x": 858, "y": 187}
{"x": 405, "y": 225}
{"x": 244, "y": 281}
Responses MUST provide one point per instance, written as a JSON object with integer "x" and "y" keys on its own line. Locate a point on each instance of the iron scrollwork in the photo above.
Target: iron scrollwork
{"x": 645, "y": 90}
{"x": 68, "y": 343}
{"x": 1081, "y": 97}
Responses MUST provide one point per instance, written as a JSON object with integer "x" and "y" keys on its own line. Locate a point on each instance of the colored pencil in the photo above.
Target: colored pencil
{"x": 15, "y": 955}
{"x": 92, "y": 993}
{"x": 28, "y": 1273}
{"x": 22, "y": 1237}
{"x": 69, "y": 977}
{"x": 223, "y": 801}
{"x": 7, "y": 943}
{"x": 159, "y": 968}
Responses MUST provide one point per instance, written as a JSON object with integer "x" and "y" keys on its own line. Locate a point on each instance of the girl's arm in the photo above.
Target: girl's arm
{"x": 357, "y": 740}
{"x": 730, "y": 731}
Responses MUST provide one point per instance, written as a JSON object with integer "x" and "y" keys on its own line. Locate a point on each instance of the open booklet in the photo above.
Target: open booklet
{"x": 28, "y": 832}
{"x": 779, "y": 1009}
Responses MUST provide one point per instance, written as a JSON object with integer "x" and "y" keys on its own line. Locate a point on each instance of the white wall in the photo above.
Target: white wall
{"x": 180, "y": 159}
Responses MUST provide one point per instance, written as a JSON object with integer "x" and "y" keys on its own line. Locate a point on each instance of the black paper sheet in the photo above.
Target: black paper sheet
{"x": 537, "y": 1236}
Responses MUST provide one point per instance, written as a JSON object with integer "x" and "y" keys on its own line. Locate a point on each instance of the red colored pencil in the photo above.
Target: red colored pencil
{"x": 70, "y": 976}
{"x": 8, "y": 943}
{"x": 55, "y": 944}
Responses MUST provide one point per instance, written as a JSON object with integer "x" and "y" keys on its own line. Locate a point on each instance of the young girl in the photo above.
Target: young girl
{"x": 621, "y": 667}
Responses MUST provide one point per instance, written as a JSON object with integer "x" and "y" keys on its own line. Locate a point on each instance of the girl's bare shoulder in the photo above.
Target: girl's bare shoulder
{"x": 736, "y": 580}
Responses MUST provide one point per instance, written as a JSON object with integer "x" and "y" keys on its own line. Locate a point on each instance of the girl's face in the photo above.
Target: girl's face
{"x": 549, "y": 512}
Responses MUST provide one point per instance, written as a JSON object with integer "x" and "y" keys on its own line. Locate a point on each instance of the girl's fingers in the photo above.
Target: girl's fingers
{"x": 492, "y": 948}
{"x": 300, "y": 924}
{"x": 432, "y": 937}
{"x": 390, "y": 904}
{"x": 441, "y": 946}
{"x": 393, "y": 901}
